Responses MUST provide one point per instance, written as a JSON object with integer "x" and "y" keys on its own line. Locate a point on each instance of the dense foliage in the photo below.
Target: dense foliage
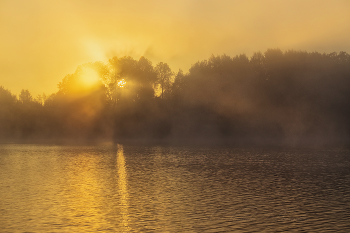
{"x": 289, "y": 97}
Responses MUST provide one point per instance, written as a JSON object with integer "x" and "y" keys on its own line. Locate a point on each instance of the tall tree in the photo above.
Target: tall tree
{"x": 164, "y": 75}
{"x": 25, "y": 96}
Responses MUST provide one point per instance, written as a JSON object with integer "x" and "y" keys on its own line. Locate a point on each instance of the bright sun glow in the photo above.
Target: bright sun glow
{"x": 121, "y": 83}
{"x": 89, "y": 77}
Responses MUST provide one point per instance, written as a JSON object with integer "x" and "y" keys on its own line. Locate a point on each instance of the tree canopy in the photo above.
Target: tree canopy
{"x": 291, "y": 97}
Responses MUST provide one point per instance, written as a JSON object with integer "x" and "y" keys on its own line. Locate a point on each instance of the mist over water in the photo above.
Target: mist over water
{"x": 176, "y": 189}
{"x": 295, "y": 101}
{"x": 183, "y": 116}
{"x": 292, "y": 98}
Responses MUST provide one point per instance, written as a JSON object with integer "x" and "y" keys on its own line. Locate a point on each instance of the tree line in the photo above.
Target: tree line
{"x": 292, "y": 97}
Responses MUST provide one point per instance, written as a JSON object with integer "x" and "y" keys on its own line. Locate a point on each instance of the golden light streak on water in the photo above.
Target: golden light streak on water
{"x": 79, "y": 198}
{"x": 123, "y": 191}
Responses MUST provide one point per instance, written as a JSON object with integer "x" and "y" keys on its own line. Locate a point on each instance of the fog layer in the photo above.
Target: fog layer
{"x": 276, "y": 97}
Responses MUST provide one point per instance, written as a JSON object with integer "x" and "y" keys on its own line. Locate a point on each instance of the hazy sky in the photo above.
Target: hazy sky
{"x": 43, "y": 40}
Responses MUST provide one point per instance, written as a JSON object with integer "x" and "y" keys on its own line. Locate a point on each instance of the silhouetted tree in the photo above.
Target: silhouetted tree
{"x": 8, "y": 114}
{"x": 134, "y": 79}
{"x": 164, "y": 75}
{"x": 276, "y": 96}
{"x": 25, "y": 97}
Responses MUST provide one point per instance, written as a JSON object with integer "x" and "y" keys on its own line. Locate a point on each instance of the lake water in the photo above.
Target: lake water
{"x": 173, "y": 189}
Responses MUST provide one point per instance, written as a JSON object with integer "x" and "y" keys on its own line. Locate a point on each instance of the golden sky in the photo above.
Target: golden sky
{"x": 43, "y": 40}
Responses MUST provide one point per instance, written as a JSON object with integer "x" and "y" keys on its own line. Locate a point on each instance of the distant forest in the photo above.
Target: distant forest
{"x": 276, "y": 97}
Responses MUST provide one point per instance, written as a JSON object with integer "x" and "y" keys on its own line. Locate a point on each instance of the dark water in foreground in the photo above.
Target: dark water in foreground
{"x": 172, "y": 189}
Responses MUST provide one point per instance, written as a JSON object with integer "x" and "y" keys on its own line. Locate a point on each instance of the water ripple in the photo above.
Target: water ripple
{"x": 173, "y": 189}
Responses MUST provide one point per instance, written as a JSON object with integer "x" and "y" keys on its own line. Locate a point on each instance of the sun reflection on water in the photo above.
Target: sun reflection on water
{"x": 80, "y": 197}
{"x": 123, "y": 192}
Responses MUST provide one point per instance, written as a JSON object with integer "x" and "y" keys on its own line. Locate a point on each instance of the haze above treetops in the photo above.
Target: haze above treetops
{"x": 43, "y": 41}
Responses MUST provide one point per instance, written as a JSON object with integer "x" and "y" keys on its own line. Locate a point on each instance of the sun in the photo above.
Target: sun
{"x": 121, "y": 83}
{"x": 89, "y": 77}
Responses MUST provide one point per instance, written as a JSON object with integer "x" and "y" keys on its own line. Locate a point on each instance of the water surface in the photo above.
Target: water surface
{"x": 172, "y": 189}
